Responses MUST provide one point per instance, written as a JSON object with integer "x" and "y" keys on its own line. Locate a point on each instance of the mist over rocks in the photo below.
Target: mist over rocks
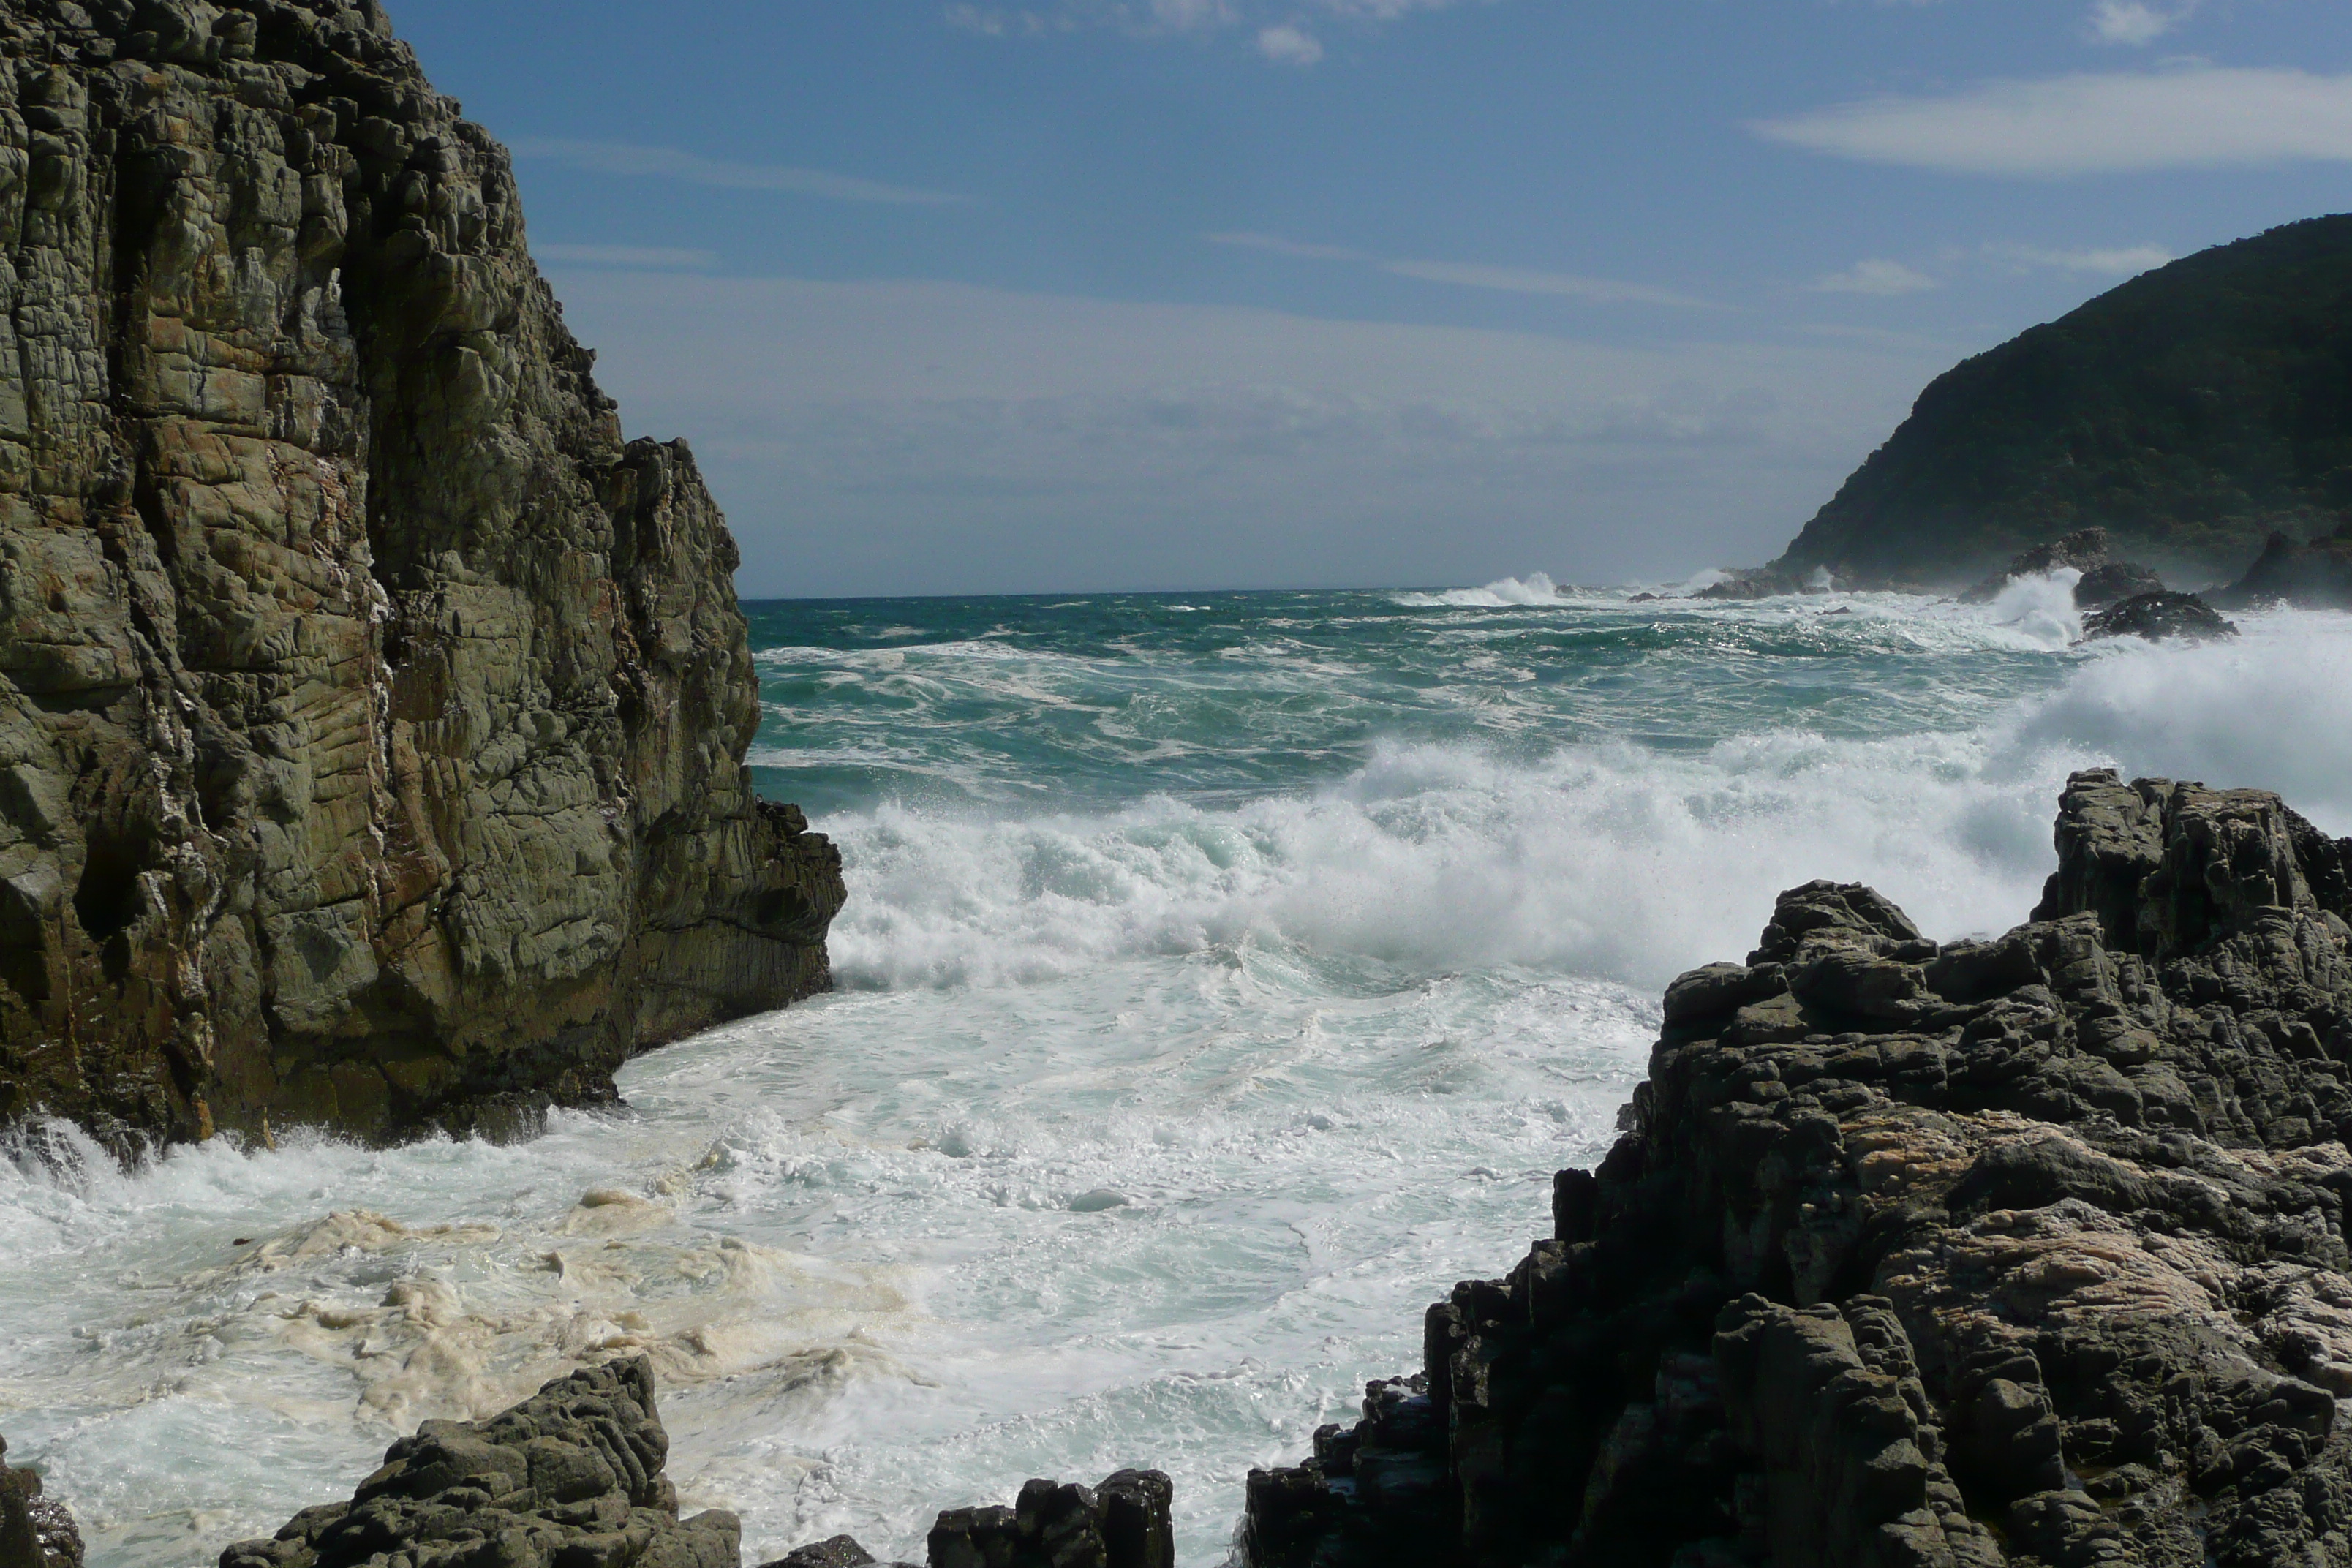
{"x": 372, "y": 716}
{"x": 2027, "y": 1249}
{"x": 2312, "y": 576}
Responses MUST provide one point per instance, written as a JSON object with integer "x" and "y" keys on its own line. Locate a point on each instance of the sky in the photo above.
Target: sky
{"x": 1053, "y": 295}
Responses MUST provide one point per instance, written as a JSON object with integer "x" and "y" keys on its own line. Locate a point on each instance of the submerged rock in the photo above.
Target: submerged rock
{"x": 2025, "y": 1250}
{"x": 570, "y": 1478}
{"x": 372, "y": 715}
{"x": 2160, "y": 617}
{"x": 35, "y": 1530}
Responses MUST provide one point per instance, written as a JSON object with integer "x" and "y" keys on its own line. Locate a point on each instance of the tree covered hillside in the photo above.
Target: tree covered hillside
{"x": 2190, "y": 411}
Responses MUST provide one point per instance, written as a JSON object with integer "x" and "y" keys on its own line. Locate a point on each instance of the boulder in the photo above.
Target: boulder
{"x": 570, "y": 1478}
{"x": 2085, "y": 550}
{"x": 2113, "y": 583}
{"x": 1122, "y": 1523}
{"x": 2158, "y": 617}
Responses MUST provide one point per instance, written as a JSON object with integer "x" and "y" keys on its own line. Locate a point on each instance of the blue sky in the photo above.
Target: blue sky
{"x": 1087, "y": 294}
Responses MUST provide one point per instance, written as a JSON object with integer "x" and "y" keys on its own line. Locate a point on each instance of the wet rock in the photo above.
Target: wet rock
{"x": 2160, "y": 617}
{"x": 35, "y": 1530}
{"x": 372, "y": 715}
{"x": 2113, "y": 583}
{"x": 841, "y": 1552}
{"x": 2025, "y": 1250}
{"x": 570, "y": 1478}
{"x": 1122, "y": 1523}
{"x": 2085, "y": 550}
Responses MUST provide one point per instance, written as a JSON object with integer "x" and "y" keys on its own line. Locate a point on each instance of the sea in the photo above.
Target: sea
{"x": 1224, "y": 976}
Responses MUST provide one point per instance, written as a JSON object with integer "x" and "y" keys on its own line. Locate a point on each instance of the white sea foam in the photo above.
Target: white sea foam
{"x": 1536, "y": 588}
{"x": 1326, "y": 1043}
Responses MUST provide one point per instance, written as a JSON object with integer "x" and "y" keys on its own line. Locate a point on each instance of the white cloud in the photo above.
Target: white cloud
{"x": 649, "y": 257}
{"x": 1281, "y": 27}
{"x": 1281, "y": 247}
{"x": 670, "y": 164}
{"x": 2204, "y": 117}
{"x": 2121, "y": 261}
{"x": 1478, "y": 275}
{"x": 1876, "y": 275}
{"x": 2136, "y": 22}
{"x": 1289, "y": 44}
{"x": 940, "y": 437}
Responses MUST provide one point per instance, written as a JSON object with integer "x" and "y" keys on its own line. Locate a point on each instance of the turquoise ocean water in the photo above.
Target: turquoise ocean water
{"x": 1224, "y": 976}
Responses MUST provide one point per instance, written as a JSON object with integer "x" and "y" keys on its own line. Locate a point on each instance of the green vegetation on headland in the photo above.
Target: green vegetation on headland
{"x": 2192, "y": 412}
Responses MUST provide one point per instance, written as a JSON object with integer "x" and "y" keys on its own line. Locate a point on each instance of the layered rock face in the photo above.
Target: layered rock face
{"x": 372, "y": 715}
{"x": 2027, "y": 1250}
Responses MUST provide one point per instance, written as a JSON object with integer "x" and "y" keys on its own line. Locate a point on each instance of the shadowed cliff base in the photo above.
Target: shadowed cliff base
{"x": 372, "y": 716}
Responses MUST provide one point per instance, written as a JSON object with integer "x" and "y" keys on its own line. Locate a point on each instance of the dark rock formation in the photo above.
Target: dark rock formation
{"x": 1122, "y": 1523}
{"x": 372, "y": 715}
{"x": 2191, "y": 411}
{"x": 2029, "y": 1251}
{"x": 2105, "y": 581}
{"x": 2317, "y": 575}
{"x": 841, "y": 1552}
{"x": 2085, "y": 552}
{"x": 35, "y": 1530}
{"x": 2160, "y": 617}
{"x": 570, "y": 1478}
{"x": 2113, "y": 583}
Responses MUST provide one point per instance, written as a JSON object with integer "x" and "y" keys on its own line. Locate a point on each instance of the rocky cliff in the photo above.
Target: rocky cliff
{"x": 2192, "y": 412}
{"x": 2027, "y": 1251}
{"x": 372, "y": 714}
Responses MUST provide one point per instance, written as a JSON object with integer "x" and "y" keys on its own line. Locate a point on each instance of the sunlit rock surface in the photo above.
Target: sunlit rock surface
{"x": 372, "y": 716}
{"x": 2024, "y": 1250}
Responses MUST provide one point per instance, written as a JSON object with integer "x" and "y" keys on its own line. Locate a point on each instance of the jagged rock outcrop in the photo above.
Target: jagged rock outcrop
{"x": 569, "y": 1478}
{"x": 372, "y": 715}
{"x": 2315, "y": 575}
{"x": 2029, "y": 1251}
{"x": 573, "y": 1478}
{"x": 35, "y": 1530}
{"x": 2160, "y": 617}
